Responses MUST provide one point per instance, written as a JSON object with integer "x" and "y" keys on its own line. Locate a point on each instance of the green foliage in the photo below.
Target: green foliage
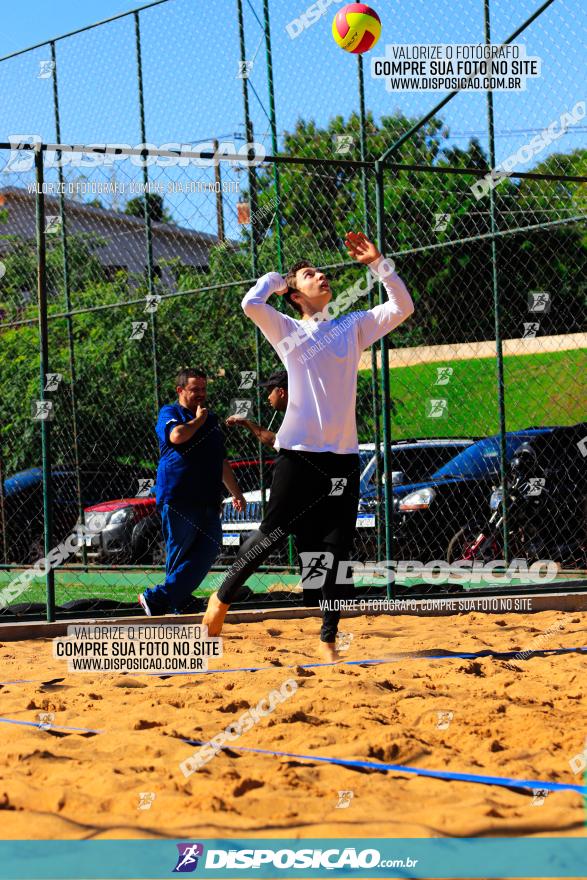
{"x": 157, "y": 213}
{"x": 19, "y": 285}
{"x": 451, "y": 280}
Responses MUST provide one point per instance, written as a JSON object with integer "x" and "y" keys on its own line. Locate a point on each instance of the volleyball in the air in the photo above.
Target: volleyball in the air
{"x": 356, "y": 28}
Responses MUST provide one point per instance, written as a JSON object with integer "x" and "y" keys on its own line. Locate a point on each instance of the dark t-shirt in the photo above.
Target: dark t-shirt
{"x": 189, "y": 474}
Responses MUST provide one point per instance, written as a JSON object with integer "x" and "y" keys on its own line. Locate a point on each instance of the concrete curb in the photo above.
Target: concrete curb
{"x": 440, "y": 606}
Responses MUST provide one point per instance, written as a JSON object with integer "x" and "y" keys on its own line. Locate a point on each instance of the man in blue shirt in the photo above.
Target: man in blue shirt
{"x": 191, "y": 471}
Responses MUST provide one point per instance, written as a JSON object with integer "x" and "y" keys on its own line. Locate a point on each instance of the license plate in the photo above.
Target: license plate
{"x": 365, "y": 521}
{"x": 231, "y": 540}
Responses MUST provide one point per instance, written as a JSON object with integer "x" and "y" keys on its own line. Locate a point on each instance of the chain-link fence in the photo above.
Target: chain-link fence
{"x": 122, "y": 262}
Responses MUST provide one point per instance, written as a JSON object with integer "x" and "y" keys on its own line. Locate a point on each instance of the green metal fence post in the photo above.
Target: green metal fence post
{"x": 67, "y": 295}
{"x": 252, "y": 180}
{"x": 249, "y": 136}
{"x": 147, "y": 214}
{"x": 374, "y": 378}
{"x": 44, "y": 369}
{"x": 385, "y": 395}
{"x": 273, "y": 126}
{"x": 218, "y": 185}
{"x": 277, "y": 187}
{"x": 497, "y": 305}
{"x": 2, "y": 511}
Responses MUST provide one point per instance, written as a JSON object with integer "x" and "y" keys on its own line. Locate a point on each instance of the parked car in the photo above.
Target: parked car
{"x": 22, "y": 504}
{"x": 410, "y": 459}
{"x": 124, "y": 531}
{"x": 430, "y": 513}
{"x": 127, "y": 531}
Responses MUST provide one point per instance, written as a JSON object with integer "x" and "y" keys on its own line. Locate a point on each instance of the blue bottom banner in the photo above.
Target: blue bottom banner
{"x": 277, "y": 858}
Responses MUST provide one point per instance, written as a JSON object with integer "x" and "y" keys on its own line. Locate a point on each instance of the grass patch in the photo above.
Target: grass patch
{"x": 540, "y": 389}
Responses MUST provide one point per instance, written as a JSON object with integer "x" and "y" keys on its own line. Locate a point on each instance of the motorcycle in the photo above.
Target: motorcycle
{"x": 543, "y": 519}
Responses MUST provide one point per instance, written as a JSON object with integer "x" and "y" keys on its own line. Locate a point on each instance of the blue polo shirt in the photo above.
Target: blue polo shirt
{"x": 189, "y": 474}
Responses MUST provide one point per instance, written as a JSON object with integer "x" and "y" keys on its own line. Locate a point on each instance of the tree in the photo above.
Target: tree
{"x": 157, "y": 212}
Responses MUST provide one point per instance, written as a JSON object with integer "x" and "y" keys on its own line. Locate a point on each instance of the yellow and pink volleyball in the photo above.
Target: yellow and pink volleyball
{"x": 356, "y": 28}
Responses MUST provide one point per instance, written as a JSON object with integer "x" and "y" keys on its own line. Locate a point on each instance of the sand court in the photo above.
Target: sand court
{"x": 98, "y": 756}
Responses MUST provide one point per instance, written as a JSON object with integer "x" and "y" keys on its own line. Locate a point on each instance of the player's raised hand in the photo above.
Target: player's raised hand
{"x": 360, "y": 248}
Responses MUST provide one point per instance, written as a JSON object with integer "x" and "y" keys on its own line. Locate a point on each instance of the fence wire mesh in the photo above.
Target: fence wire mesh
{"x": 148, "y": 256}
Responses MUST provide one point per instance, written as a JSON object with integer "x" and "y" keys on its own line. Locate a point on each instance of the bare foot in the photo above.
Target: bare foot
{"x": 215, "y": 614}
{"x": 328, "y": 652}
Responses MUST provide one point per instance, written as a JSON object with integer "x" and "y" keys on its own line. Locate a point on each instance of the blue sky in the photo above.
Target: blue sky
{"x": 190, "y": 55}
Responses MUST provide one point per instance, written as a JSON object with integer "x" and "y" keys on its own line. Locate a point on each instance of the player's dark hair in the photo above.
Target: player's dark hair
{"x": 290, "y": 280}
{"x": 188, "y": 373}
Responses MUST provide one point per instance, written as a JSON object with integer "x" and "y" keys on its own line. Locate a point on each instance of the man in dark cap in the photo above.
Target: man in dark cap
{"x": 276, "y": 385}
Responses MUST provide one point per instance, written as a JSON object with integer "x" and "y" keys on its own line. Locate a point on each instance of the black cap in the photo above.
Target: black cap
{"x": 275, "y": 380}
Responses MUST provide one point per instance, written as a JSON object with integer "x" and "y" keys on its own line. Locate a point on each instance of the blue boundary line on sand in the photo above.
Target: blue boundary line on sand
{"x": 417, "y": 771}
{"x": 436, "y": 774}
{"x": 494, "y": 655}
{"x": 504, "y": 782}
{"x": 51, "y": 726}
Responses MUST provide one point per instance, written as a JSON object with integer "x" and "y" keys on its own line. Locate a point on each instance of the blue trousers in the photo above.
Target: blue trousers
{"x": 193, "y": 540}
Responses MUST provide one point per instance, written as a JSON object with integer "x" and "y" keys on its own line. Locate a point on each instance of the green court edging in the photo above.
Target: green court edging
{"x": 123, "y": 586}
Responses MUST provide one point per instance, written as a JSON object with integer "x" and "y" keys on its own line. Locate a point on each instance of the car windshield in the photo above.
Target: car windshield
{"x": 365, "y": 459}
{"x": 481, "y": 459}
{"x": 415, "y": 463}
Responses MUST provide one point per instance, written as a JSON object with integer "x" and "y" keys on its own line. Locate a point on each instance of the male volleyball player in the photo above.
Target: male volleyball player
{"x": 315, "y": 488}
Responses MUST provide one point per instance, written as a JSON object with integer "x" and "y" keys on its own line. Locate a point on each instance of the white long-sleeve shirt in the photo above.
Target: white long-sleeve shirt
{"x": 322, "y": 359}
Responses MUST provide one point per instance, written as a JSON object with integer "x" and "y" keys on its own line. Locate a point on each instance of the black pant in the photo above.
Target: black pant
{"x": 314, "y": 496}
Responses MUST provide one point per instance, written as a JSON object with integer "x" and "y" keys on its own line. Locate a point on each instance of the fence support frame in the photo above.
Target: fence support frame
{"x": 375, "y": 406}
{"x": 497, "y": 306}
{"x": 380, "y": 382}
{"x": 44, "y": 369}
{"x": 147, "y": 215}
{"x": 67, "y": 297}
{"x": 385, "y": 394}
